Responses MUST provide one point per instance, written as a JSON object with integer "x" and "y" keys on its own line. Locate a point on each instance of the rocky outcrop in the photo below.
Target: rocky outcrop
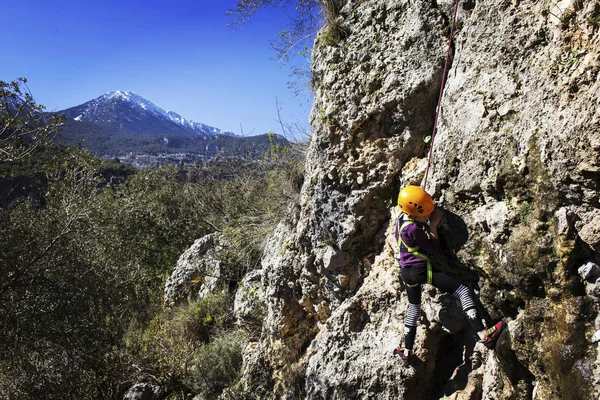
{"x": 146, "y": 391}
{"x": 198, "y": 272}
{"x": 515, "y": 166}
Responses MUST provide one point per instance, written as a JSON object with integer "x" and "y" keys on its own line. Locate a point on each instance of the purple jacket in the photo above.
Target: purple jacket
{"x": 415, "y": 235}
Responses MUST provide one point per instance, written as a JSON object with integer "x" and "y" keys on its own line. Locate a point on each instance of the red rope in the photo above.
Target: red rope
{"x": 439, "y": 105}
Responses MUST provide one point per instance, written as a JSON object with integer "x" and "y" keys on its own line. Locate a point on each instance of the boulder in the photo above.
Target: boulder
{"x": 146, "y": 391}
{"x": 197, "y": 273}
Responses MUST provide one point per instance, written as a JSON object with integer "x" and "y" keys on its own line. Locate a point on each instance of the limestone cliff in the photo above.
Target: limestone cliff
{"x": 516, "y": 166}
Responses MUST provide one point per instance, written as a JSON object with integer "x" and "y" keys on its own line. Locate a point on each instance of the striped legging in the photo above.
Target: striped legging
{"x": 418, "y": 275}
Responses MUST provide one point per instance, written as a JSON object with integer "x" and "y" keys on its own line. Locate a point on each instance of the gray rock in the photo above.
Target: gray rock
{"x": 593, "y": 289}
{"x": 564, "y": 224}
{"x": 590, "y": 233}
{"x": 589, "y": 271}
{"x": 515, "y": 164}
{"x": 196, "y": 274}
{"x": 249, "y": 300}
{"x": 146, "y": 391}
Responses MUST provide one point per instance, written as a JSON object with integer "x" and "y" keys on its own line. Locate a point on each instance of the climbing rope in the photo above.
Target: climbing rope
{"x": 439, "y": 104}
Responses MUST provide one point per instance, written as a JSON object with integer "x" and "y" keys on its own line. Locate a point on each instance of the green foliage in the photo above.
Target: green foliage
{"x": 195, "y": 348}
{"x": 217, "y": 364}
{"x": 114, "y": 172}
{"x": 257, "y": 203}
{"x": 595, "y": 22}
{"x": 333, "y": 28}
{"x": 23, "y": 126}
{"x": 326, "y": 39}
{"x": 85, "y": 250}
{"x": 567, "y": 61}
{"x": 276, "y": 151}
{"x": 57, "y": 320}
{"x": 525, "y": 211}
{"x": 166, "y": 345}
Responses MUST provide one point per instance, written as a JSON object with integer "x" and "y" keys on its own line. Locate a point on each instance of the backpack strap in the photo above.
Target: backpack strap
{"x": 414, "y": 250}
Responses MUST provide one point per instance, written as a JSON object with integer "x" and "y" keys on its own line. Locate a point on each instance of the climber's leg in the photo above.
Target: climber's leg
{"x": 466, "y": 298}
{"x": 467, "y": 301}
{"x": 410, "y": 322}
{"x": 413, "y": 278}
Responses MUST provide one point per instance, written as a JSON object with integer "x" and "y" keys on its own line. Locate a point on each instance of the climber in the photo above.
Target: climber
{"x": 415, "y": 240}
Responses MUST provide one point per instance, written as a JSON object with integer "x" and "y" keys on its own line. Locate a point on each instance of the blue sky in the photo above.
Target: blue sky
{"x": 179, "y": 54}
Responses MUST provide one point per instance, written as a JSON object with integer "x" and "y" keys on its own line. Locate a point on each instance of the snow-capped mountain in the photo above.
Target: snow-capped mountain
{"x": 123, "y": 124}
{"x": 131, "y": 113}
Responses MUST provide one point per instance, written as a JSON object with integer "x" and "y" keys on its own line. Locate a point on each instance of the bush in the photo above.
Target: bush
{"x": 166, "y": 346}
{"x": 259, "y": 200}
{"x": 217, "y": 365}
{"x": 84, "y": 265}
{"x": 23, "y": 125}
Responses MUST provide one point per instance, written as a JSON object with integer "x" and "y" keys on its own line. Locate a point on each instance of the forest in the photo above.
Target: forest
{"x": 86, "y": 246}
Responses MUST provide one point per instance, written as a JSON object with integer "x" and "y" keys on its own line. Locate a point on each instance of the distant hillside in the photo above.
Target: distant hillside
{"x": 105, "y": 142}
{"x": 124, "y": 125}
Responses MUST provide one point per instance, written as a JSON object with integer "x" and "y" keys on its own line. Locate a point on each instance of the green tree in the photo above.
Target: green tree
{"x": 83, "y": 264}
{"x": 59, "y": 301}
{"x": 23, "y": 124}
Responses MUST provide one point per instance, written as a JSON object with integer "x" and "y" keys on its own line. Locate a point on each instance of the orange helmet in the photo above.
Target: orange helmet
{"x": 414, "y": 201}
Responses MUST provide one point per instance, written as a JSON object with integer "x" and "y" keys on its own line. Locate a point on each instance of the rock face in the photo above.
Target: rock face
{"x": 516, "y": 167}
{"x": 198, "y": 272}
{"x": 146, "y": 391}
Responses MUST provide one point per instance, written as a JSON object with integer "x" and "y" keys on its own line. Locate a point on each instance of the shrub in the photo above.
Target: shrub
{"x": 84, "y": 264}
{"x": 217, "y": 365}
{"x": 23, "y": 125}
{"x": 166, "y": 346}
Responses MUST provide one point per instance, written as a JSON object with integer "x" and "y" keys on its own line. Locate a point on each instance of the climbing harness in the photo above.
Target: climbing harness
{"x": 415, "y": 251}
{"x": 439, "y": 105}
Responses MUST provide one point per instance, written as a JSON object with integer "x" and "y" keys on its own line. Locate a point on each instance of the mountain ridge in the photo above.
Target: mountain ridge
{"x": 122, "y": 123}
{"x": 129, "y": 112}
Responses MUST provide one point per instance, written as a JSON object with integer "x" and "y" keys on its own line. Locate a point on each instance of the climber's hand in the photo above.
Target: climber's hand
{"x": 436, "y": 216}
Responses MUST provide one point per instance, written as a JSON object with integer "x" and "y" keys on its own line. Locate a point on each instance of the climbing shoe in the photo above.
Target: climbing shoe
{"x": 493, "y": 334}
{"x": 400, "y": 353}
